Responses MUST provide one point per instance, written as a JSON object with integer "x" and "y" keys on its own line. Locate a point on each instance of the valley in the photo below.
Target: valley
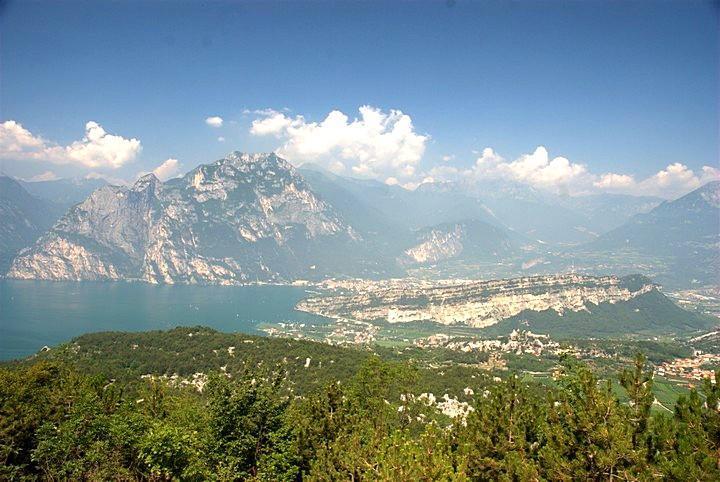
{"x": 291, "y": 241}
{"x": 344, "y": 276}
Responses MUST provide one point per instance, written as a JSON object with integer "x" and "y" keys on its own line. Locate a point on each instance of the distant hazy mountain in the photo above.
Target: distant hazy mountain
{"x": 23, "y": 218}
{"x": 683, "y": 234}
{"x": 554, "y": 219}
{"x": 604, "y": 212}
{"x": 537, "y": 215}
{"x": 427, "y": 205}
{"x": 242, "y": 218}
{"x": 64, "y": 192}
{"x": 434, "y": 223}
{"x": 467, "y": 240}
{"x": 382, "y": 234}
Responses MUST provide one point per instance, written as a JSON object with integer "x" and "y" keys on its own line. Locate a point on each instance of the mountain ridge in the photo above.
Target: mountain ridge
{"x": 246, "y": 217}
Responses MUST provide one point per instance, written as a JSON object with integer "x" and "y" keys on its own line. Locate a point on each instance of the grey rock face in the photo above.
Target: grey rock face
{"x": 469, "y": 240}
{"x": 247, "y": 217}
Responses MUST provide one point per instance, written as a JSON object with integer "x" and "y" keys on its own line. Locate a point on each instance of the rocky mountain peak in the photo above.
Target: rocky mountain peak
{"x": 148, "y": 181}
{"x": 255, "y": 161}
{"x": 241, "y": 218}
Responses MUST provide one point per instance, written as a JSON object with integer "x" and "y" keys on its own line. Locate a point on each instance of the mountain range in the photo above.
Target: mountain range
{"x": 679, "y": 240}
{"x": 255, "y": 217}
{"x": 243, "y": 218}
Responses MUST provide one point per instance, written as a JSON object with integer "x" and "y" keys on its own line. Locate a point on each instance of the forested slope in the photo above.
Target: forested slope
{"x": 82, "y": 412}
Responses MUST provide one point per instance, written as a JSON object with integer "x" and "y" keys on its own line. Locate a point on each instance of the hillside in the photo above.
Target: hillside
{"x": 23, "y": 219}
{"x": 137, "y": 407}
{"x": 467, "y": 240}
{"x": 681, "y": 236}
{"x": 186, "y": 351}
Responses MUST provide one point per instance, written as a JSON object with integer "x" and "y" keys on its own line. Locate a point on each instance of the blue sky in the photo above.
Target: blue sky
{"x": 616, "y": 87}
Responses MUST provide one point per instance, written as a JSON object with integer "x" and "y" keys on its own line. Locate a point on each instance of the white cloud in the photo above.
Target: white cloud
{"x": 274, "y": 123}
{"x": 677, "y": 179}
{"x": 97, "y": 149}
{"x": 614, "y": 182}
{"x": 214, "y": 121}
{"x": 221, "y": 139}
{"x": 376, "y": 145}
{"x": 559, "y": 174}
{"x": 445, "y": 172}
{"x": 166, "y": 170}
{"x": 16, "y": 141}
{"x": 673, "y": 181}
{"x": 44, "y": 176}
{"x": 536, "y": 169}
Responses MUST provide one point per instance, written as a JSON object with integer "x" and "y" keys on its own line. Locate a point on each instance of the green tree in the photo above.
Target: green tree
{"x": 589, "y": 433}
{"x": 246, "y": 426}
{"x": 638, "y": 383}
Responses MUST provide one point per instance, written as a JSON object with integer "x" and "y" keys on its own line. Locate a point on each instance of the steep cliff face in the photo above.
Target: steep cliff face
{"x": 543, "y": 301}
{"x": 246, "y": 217}
{"x": 101, "y": 238}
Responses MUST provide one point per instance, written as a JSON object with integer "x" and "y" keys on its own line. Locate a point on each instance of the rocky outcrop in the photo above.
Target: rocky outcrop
{"x": 467, "y": 240}
{"x": 101, "y": 238}
{"x": 475, "y": 303}
{"x": 437, "y": 246}
{"x": 247, "y": 217}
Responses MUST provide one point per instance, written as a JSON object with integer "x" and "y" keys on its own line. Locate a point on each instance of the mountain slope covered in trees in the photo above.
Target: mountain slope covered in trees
{"x": 81, "y": 412}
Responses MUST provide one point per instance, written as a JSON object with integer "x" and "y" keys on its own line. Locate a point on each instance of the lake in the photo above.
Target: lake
{"x": 38, "y": 313}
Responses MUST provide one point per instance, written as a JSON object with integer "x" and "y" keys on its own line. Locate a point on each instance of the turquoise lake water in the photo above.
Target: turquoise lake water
{"x": 38, "y": 313}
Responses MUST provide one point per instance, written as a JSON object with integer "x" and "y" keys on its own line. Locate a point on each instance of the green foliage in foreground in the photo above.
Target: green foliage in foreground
{"x": 59, "y": 424}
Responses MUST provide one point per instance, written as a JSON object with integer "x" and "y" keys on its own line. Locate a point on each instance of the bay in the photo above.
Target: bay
{"x": 38, "y": 313}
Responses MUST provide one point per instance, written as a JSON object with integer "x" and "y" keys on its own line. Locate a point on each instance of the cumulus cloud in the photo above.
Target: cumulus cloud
{"x": 214, "y": 121}
{"x": 614, "y": 182}
{"x": 166, "y": 170}
{"x": 375, "y": 145}
{"x": 97, "y": 149}
{"x": 274, "y": 123}
{"x": 673, "y": 181}
{"x": 538, "y": 169}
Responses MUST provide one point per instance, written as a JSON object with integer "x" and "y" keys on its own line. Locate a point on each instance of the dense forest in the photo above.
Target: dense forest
{"x": 294, "y": 410}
